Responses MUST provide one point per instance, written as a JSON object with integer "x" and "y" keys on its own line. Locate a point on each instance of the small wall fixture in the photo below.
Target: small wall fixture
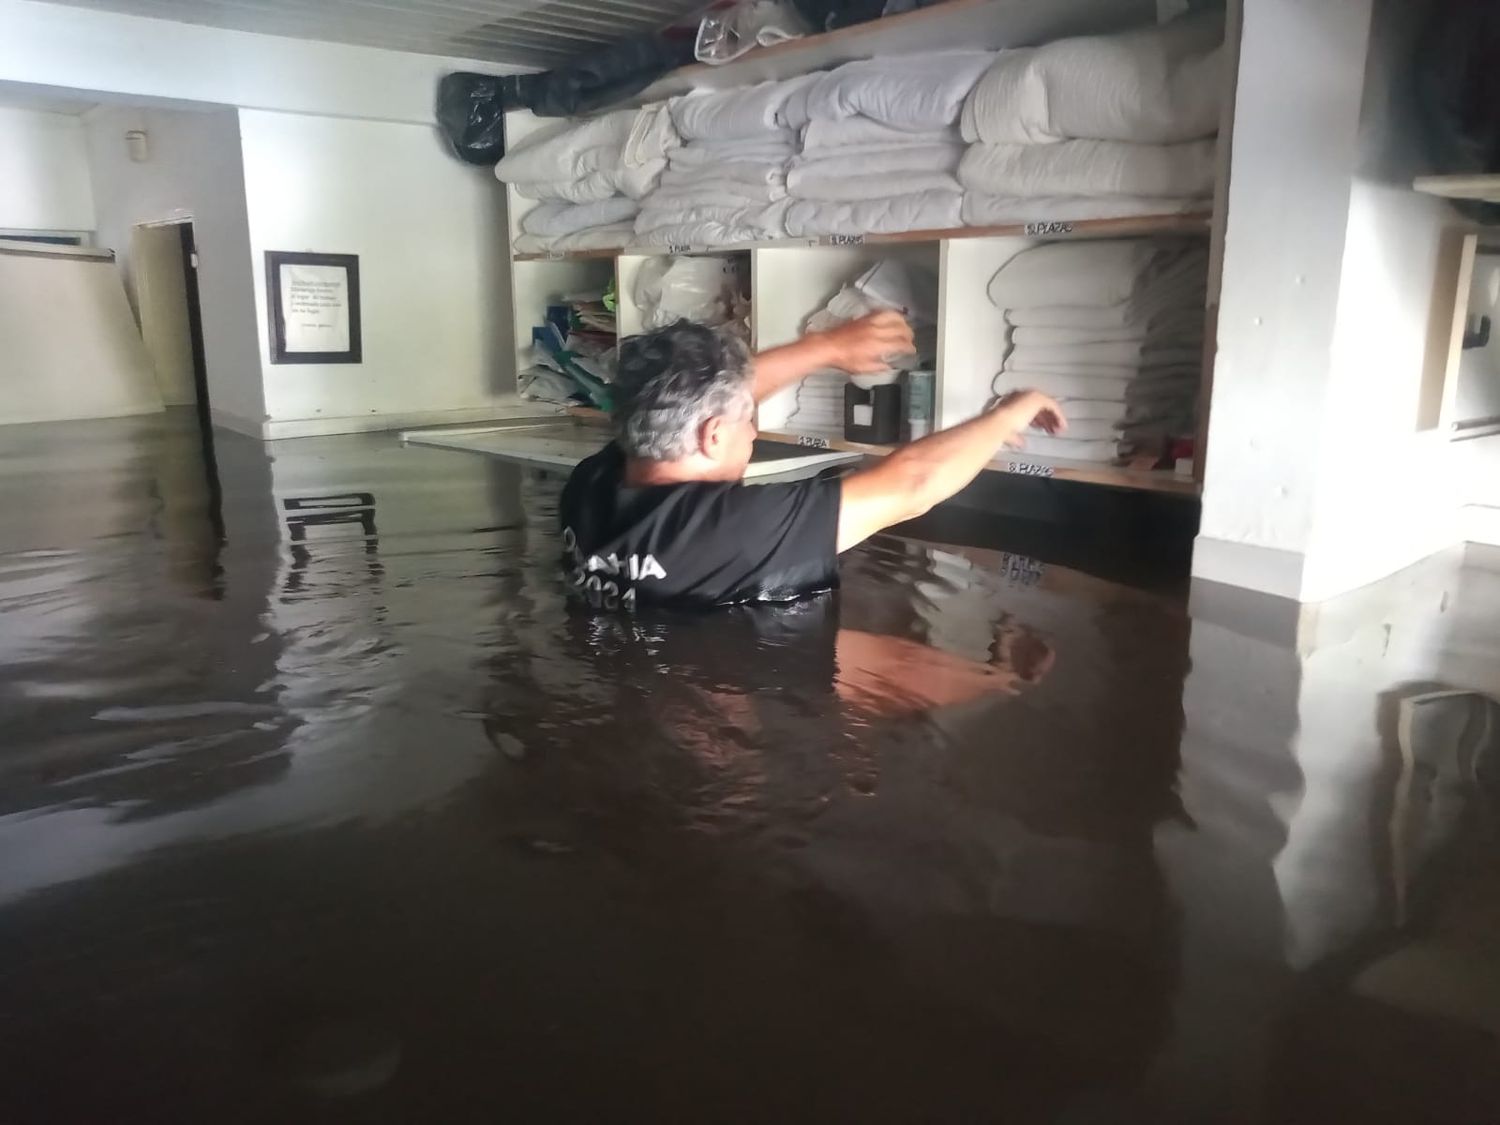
{"x": 135, "y": 144}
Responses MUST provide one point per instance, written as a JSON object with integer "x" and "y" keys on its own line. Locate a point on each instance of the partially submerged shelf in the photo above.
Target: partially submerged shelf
{"x": 1021, "y": 463}
{"x": 1481, "y": 186}
{"x": 1194, "y": 223}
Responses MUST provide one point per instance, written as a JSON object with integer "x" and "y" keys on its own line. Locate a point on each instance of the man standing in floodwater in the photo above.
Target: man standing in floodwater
{"x": 662, "y": 513}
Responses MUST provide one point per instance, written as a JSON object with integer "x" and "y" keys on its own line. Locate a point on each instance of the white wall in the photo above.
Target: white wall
{"x": 194, "y": 171}
{"x": 68, "y": 347}
{"x": 1384, "y": 497}
{"x": 44, "y": 172}
{"x": 53, "y": 45}
{"x": 1318, "y": 481}
{"x": 1301, "y": 79}
{"x": 1476, "y": 472}
{"x": 430, "y": 236}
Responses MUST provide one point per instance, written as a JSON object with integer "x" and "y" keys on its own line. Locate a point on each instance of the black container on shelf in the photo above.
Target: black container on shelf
{"x": 875, "y": 415}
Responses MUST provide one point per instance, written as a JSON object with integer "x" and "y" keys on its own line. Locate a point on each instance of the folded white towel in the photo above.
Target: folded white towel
{"x": 1093, "y": 272}
{"x": 1086, "y": 415}
{"x": 1090, "y": 168}
{"x": 652, "y": 136}
{"x": 568, "y": 150}
{"x": 1127, "y": 353}
{"x": 1099, "y": 452}
{"x": 612, "y": 180}
{"x": 876, "y": 163}
{"x": 772, "y": 172}
{"x": 916, "y": 92}
{"x": 828, "y": 137}
{"x": 767, "y": 219}
{"x": 984, "y": 210}
{"x": 775, "y": 147}
{"x": 1131, "y": 431}
{"x": 875, "y": 175}
{"x": 850, "y": 188}
{"x": 1155, "y": 85}
{"x": 1182, "y": 330}
{"x": 1095, "y": 388}
{"x": 555, "y": 219}
{"x": 749, "y": 111}
{"x": 593, "y": 238}
{"x": 714, "y": 192}
{"x": 700, "y": 232}
{"x": 1181, "y": 373}
{"x": 1166, "y": 303}
{"x": 926, "y": 210}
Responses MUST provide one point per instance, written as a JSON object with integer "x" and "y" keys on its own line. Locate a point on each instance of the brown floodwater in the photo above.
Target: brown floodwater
{"x": 320, "y": 802}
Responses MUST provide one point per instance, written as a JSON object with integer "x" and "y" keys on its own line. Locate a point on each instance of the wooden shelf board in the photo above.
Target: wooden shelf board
{"x": 1193, "y": 223}
{"x": 1481, "y": 186}
{"x": 1022, "y": 463}
{"x": 1019, "y": 462}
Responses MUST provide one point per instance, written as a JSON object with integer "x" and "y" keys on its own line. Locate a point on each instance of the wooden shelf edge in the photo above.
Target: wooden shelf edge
{"x": 1021, "y": 463}
{"x": 1018, "y": 462}
{"x": 1475, "y": 185}
{"x": 1187, "y": 223}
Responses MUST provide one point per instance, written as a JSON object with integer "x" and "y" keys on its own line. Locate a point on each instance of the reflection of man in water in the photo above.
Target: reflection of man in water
{"x": 819, "y": 853}
{"x": 662, "y": 513}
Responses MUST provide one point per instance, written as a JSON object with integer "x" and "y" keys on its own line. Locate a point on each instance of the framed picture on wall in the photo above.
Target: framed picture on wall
{"x": 313, "y": 300}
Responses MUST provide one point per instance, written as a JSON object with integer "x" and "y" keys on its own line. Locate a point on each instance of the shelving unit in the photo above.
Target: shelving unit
{"x": 792, "y": 278}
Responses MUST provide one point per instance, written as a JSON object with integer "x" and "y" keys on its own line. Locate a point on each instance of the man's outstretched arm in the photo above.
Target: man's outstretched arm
{"x": 859, "y": 347}
{"x": 915, "y": 477}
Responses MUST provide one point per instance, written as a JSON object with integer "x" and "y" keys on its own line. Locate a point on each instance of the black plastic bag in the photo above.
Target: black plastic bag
{"x": 471, "y": 114}
{"x": 471, "y": 108}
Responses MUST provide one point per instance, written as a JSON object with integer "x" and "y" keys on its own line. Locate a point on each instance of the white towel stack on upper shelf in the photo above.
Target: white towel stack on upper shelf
{"x": 1096, "y": 127}
{"x": 727, "y": 184}
{"x": 1114, "y": 331}
{"x": 880, "y": 152}
{"x": 588, "y": 177}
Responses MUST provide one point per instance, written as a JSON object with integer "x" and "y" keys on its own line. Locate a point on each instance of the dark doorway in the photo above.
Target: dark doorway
{"x": 200, "y": 375}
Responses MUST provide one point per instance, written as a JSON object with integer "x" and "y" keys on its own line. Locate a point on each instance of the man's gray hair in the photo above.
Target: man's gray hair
{"x": 669, "y": 382}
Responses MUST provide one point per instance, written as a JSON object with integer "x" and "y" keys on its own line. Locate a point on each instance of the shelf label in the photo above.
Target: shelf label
{"x": 678, "y": 248}
{"x": 1021, "y": 570}
{"x": 1049, "y": 228}
{"x": 846, "y": 240}
{"x": 812, "y": 441}
{"x": 1028, "y": 469}
{"x": 555, "y": 256}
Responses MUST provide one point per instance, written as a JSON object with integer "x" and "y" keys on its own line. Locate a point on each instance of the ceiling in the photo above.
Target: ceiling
{"x": 539, "y": 33}
{"x": 42, "y": 99}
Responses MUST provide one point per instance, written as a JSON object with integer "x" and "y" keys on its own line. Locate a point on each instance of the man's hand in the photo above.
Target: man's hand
{"x": 867, "y": 345}
{"x": 1026, "y": 409}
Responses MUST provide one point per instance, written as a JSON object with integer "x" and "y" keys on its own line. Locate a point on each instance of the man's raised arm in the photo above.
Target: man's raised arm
{"x": 862, "y": 346}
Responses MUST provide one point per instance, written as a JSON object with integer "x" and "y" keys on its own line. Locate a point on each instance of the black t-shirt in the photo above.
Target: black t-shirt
{"x": 698, "y": 543}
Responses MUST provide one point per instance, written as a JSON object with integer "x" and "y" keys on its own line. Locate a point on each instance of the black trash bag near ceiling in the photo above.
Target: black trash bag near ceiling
{"x": 605, "y": 77}
{"x": 470, "y": 112}
{"x": 1457, "y": 86}
{"x": 471, "y": 107}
